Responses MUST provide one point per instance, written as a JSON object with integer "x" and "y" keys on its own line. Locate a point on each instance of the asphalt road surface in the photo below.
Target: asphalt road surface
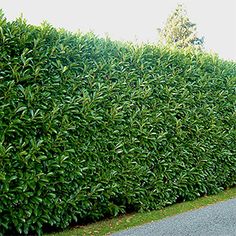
{"x": 214, "y": 220}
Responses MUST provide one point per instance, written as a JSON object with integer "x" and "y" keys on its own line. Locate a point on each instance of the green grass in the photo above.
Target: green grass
{"x": 109, "y": 226}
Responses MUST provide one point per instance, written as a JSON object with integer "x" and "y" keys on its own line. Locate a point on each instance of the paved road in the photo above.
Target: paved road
{"x": 214, "y": 220}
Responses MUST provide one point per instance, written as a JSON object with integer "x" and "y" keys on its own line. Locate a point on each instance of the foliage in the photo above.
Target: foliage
{"x": 91, "y": 128}
{"x": 180, "y": 31}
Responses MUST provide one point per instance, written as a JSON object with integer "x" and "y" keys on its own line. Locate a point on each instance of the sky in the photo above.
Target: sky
{"x": 133, "y": 20}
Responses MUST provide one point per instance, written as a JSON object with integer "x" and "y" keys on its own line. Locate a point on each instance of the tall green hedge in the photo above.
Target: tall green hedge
{"x": 91, "y": 128}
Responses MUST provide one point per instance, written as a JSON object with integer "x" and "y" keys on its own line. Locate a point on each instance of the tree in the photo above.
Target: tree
{"x": 180, "y": 31}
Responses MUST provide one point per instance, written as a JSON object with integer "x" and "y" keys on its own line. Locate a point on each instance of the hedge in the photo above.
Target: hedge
{"x": 92, "y": 128}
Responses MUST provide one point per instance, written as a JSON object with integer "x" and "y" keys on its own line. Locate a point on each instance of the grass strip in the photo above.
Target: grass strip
{"x": 109, "y": 226}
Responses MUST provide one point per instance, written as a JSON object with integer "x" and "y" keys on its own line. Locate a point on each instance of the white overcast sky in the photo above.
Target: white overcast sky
{"x": 133, "y": 20}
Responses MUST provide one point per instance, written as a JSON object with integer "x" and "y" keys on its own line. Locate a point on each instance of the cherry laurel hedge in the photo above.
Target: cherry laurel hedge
{"x": 91, "y": 128}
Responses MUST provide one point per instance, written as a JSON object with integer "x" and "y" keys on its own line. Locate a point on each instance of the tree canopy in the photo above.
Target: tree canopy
{"x": 180, "y": 31}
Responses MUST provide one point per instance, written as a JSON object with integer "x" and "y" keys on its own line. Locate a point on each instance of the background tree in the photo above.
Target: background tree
{"x": 180, "y": 31}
